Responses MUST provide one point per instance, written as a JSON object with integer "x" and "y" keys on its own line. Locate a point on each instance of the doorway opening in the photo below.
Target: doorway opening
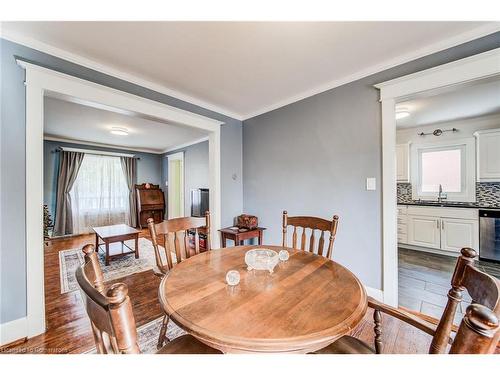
{"x": 42, "y": 83}
{"x": 433, "y": 81}
{"x": 175, "y": 185}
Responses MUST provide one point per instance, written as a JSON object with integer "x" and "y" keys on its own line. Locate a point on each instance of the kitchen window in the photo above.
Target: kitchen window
{"x": 450, "y": 165}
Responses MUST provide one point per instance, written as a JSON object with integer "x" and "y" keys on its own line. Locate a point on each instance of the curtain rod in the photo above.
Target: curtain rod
{"x": 96, "y": 152}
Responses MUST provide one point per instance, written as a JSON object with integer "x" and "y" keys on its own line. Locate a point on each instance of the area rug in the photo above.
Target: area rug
{"x": 70, "y": 260}
{"x": 147, "y": 335}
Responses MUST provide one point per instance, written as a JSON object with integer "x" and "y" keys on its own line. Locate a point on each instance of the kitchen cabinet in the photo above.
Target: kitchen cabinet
{"x": 402, "y": 225}
{"x": 424, "y": 231}
{"x": 488, "y": 155}
{"x": 439, "y": 228}
{"x": 459, "y": 233}
{"x": 403, "y": 162}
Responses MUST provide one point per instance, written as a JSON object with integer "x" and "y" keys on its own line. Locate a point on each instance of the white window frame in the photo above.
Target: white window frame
{"x": 468, "y": 159}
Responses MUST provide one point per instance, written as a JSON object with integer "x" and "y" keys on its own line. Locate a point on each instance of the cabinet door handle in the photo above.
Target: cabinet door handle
{"x": 437, "y": 224}
{"x": 442, "y": 224}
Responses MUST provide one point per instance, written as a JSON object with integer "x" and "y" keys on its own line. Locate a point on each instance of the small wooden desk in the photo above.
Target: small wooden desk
{"x": 239, "y": 236}
{"x": 111, "y": 234}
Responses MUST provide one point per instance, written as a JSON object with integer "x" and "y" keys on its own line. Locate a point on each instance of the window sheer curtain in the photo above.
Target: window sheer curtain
{"x": 69, "y": 166}
{"x": 100, "y": 194}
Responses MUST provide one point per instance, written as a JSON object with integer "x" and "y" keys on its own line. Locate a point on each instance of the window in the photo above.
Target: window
{"x": 450, "y": 165}
{"x": 100, "y": 195}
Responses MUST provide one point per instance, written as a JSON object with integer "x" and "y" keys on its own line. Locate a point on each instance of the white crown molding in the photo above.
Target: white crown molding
{"x": 463, "y": 71}
{"x": 109, "y": 70}
{"x": 425, "y": 51}
{"x": 184, "y": 145}
{"x": 49, "y": 137}
{"x": 91, "y": 64}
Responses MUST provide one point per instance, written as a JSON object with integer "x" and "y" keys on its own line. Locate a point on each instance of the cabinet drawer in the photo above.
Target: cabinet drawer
{"x": 402, "y": 229}
{"x": 402, "y": 238}
{"x": 402, "y": 210}
{"x": 449, "y": 212}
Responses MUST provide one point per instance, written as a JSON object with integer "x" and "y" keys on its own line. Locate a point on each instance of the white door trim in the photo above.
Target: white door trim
{"x": 462, "y": 71}
{"x": 40, "y": 81}
{"x": 176, "y": 156}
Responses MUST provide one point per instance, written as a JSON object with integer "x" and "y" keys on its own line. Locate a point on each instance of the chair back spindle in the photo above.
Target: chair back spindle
{"x": 173, "y": 235}
{"x": 314, "y": 224}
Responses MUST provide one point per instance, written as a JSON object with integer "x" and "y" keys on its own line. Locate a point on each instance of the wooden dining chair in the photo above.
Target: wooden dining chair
{"x": 478, "y": 332}
{"x": 111, "y": 316}
{"x": 173, "y": 235}
{"x": 312, "y": 223}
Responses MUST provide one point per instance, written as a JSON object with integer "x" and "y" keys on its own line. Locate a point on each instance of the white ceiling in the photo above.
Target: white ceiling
{"x": 464, "y": 102}
{"x": 243, "y": 68}
{"x": 84, "y": 124}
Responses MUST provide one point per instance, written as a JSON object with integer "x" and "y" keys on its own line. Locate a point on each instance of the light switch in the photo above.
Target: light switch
{"x": 371, "y": 183}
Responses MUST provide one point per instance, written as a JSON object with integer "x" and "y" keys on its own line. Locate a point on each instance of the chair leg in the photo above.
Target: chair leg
{"x": 163, "y": 332}
{"x": 377, "y": 317}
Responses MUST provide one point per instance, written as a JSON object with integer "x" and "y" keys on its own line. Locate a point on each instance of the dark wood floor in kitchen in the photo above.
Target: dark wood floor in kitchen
{"x": 424, "y": 281}
{"x": 68, "y": 328}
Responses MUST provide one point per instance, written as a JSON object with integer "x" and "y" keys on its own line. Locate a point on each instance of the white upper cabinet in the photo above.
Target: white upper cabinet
{"x": 488, "y": 155}
{"x": 403, "y": 162}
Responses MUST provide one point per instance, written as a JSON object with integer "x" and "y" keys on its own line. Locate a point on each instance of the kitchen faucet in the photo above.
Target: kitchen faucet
{"x": 441, "y": 195}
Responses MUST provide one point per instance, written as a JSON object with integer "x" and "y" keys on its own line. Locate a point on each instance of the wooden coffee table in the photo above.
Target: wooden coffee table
{"x": 112, "y": 236}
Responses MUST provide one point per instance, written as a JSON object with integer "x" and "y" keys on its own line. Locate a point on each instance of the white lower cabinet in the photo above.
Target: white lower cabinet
{"x": 424, "y": 231}
{"x": 459, "y": 233}
{"x": 445, "y": 229}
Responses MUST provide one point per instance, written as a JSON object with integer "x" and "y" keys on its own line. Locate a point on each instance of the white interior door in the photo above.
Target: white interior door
{"x": 175, "y": 185}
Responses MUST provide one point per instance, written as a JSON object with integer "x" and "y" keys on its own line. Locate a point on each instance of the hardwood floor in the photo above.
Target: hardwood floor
{"x": 68, "y": 328}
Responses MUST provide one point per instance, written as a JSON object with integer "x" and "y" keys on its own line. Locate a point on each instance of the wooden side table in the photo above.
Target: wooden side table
{"x": 240, "y": 235}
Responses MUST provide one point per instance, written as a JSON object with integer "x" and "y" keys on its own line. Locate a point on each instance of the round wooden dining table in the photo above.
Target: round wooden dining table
{"x": 308, "y": 302}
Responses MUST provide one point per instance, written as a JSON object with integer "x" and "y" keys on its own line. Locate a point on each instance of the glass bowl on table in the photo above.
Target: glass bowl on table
{"x": 261, "y": 259}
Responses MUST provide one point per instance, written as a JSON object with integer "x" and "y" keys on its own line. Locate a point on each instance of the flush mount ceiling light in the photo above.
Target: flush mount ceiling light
{"x": 118, "y": 131}
{"x": 402, "y": 113}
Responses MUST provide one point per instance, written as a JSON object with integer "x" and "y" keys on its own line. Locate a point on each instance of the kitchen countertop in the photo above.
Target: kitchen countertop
{"x": 448, "y": 204}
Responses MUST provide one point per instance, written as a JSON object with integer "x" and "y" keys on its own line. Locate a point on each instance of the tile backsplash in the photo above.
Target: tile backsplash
{"x": 487, "y": 193}
{"x": 404, "y": 192}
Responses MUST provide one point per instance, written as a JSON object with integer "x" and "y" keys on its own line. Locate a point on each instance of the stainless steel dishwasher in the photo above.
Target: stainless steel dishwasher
{"x": 489, "y": 235}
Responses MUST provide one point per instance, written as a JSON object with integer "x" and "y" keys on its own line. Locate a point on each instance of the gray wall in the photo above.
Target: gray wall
{"x": 195, "y": 170}
{"x": 312, "y": 157}
{"x": 148, "y": 168}
{"x": 12, "y": 174}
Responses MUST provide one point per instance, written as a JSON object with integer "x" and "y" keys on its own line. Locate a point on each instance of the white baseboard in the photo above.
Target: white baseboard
{"x": 378, "y": 294}
{"x": 13, "y": 330}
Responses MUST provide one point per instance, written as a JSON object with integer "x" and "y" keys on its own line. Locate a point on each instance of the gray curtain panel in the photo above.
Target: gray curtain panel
{"x": 69, "y": 165}
{"x": 129, "y": 166}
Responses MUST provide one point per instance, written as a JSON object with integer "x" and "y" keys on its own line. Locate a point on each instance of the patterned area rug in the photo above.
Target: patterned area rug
{"x": 147, "y": 335}
{"x": 70, "y": 260}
